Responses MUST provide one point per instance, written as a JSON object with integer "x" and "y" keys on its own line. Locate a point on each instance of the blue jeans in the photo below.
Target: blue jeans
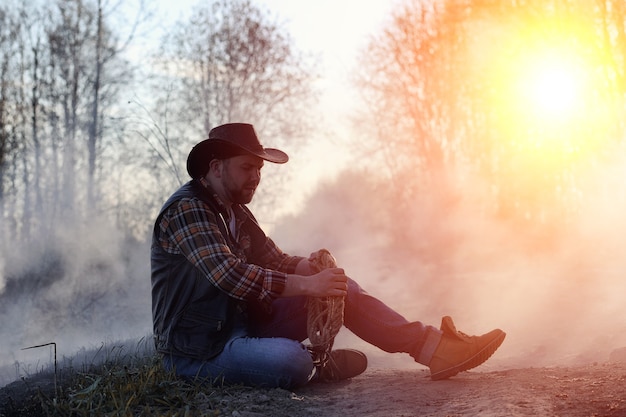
{"x": 269, "y": 352}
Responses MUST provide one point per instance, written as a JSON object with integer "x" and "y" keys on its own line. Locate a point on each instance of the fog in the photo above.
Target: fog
{"x": 559, "y": 297}
{"x": 558, "y": 292}
{"x": 79, "y": 287}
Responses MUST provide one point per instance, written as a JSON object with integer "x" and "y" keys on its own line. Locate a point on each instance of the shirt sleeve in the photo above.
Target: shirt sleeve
{"x": 272, "y": 257}
{"x": 191, "y": 228}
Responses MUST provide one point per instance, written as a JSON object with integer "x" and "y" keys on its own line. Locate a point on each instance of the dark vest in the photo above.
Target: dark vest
{"x": 191, "y": 317}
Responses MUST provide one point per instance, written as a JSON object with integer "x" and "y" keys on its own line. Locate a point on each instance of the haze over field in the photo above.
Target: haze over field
{"x": 558, "y": 293}
{"x": 522, "y": 231}
{"x": 559, "y": 298}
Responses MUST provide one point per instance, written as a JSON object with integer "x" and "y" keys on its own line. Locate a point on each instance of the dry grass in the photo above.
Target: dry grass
{"x": 115, "y": 383}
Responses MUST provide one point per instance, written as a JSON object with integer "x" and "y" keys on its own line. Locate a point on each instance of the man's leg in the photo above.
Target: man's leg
{"x": 252, "y": 361}
{"x": 289, "y": 319}
{"x": 446, "y": 352}
{"x": 376, "y": 323}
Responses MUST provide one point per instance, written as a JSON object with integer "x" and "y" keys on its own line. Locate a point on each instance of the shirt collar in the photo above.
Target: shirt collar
{"x": 236, "y": 208}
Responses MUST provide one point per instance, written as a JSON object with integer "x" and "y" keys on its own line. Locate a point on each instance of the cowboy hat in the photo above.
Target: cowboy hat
{"x": 226, "y": 141}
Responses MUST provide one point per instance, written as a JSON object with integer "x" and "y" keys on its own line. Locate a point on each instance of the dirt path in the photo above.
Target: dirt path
{"x": 593, "y": 390}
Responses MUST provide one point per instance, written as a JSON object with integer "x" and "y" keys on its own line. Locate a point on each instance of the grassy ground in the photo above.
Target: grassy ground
{"x": 136, "y": 385}
{"x": 115, "y": 385}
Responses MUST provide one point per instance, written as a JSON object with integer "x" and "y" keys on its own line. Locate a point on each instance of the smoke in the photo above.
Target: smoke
{"x": 80, "y": 287}
{"x": 555, "y": 289}
{"x": 2, "y": 280}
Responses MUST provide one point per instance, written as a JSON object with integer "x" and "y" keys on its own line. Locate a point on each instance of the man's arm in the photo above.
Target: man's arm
{"x": 190, "y": 228}
{"x": 195, "y": 234}
{"x": 327, "y": 283}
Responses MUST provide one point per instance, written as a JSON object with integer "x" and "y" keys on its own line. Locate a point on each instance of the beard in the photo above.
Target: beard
{"x": 242, "y": 195}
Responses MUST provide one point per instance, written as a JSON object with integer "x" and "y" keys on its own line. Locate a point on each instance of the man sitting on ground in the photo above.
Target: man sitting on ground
{"x": 228, "y": 303}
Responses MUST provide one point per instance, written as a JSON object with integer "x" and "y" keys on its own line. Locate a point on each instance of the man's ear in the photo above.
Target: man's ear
{"x": 215, "y": 167}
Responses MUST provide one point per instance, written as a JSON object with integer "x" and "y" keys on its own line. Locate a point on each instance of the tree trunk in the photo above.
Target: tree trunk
{"x": 93, "y": 124}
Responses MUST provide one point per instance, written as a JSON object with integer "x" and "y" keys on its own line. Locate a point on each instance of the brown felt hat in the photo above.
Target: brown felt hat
{"x": 226, "y": 141}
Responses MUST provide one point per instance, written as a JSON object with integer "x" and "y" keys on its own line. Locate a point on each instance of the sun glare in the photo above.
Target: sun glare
{"x": 549, "y": 89}
{"x": 554, "y": 88}
{"x": 550, "y": 92}
{"x": 550, "y": 105}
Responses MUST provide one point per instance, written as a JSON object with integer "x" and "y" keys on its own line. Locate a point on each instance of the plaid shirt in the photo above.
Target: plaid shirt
{"x": 190, "y": 228}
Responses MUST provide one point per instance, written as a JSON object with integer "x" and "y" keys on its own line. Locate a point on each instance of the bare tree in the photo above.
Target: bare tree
{"x": 62, "y": 69}
{"x": 61, "y": 75}
{"x": 229, "y": 63}
{"x": 235, "y": 64}
{"x": 68, "y": 43}
{"x": 15, "y": 184}
{"x": 110, "y": 72}
{"x": 95, "y": 115}
{"x": 7, "y": 31}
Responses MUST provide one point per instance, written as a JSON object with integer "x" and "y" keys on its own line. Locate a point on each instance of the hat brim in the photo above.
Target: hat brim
{"x": 269, "y": 154}
{"x": 273, "y": 155}
{"x": 196, "y": 159}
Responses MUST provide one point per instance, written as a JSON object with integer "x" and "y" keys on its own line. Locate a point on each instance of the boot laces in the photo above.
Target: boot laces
{"x": 326, "y": 368}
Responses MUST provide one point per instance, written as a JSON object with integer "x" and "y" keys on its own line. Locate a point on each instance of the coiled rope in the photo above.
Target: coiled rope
{"x": 325, "y": 314}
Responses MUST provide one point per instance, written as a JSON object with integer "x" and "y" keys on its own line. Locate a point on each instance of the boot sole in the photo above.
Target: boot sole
{"x": 480, "y": 357}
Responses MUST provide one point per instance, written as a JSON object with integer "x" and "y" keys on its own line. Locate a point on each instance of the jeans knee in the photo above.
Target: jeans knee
{"x": 269, "y": 362}
{"x": 295, "y": 367}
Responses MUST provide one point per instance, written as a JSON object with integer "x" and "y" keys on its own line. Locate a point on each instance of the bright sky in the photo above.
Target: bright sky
{"x": 544, "y": 88}
{"x": 337, "y": 31}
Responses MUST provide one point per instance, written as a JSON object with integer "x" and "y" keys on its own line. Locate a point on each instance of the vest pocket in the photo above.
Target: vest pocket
{"x": 195, "y": 321}
{"x": 200, "y": 335}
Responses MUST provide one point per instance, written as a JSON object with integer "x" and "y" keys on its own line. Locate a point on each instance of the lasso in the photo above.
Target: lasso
{"x": 325, "y": 314}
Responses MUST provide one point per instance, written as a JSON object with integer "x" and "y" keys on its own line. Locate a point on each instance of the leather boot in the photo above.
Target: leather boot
{"x": 458, "y": 352}
{"x": 342, "y": 364}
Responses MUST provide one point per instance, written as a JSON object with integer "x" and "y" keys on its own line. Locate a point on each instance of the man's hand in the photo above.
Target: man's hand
{"x": 327, "y": 283}
{"x": 305, "y": 266}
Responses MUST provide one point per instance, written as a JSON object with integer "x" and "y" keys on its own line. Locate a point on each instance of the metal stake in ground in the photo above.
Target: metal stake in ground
{"x": 55, "y": 362}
